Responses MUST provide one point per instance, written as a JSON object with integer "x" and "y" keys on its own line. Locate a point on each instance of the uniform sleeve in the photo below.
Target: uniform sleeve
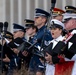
{"x": 72, "y": 59}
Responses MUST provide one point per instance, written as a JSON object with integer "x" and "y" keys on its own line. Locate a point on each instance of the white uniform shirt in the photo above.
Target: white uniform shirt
{"x": 50, "y": 69}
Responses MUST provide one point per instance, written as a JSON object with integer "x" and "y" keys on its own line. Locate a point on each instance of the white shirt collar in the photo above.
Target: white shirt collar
{"x": 60, "y": 38}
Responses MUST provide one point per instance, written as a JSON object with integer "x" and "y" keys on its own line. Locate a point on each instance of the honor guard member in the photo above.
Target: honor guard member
{"x": 30, "y": 28}
{"x": 43, "y": 36}
{"x": 58, "y": 14}
{"x": 56, "y": 30}
{"x": 7, "y": 53}
{"x": 18, "y": 32}
{"x": 70, "y": 25}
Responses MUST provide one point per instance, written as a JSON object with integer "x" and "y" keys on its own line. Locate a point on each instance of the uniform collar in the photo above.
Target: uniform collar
{"x": 60, "y": 38}
{"x": 42, "y": 28}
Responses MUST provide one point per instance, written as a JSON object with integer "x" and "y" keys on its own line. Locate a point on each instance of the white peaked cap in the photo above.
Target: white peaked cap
{"x": 69, "y": 15}
{"x": 58, "y": 22}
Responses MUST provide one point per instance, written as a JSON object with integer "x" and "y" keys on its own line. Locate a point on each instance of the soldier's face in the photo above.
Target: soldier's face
{"x": 39, "y": 21}
{"x": 55, "y": 32}
{"x": 30, "y": 31}
{"x": 70, "y": 24}
{"x": 18, "y": 34}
